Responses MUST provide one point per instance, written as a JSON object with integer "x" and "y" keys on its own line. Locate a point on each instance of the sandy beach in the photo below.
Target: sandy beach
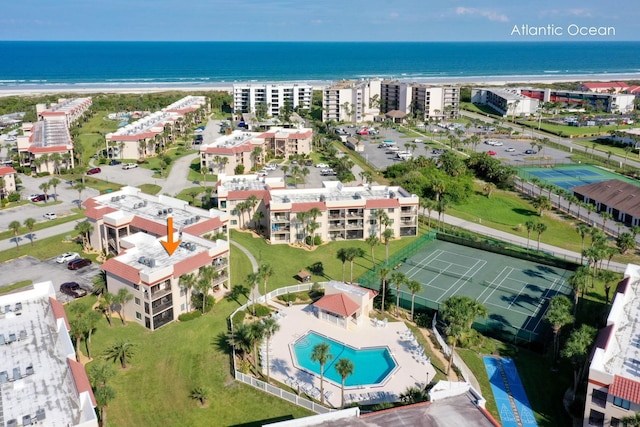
{"x": 92, "y": 88}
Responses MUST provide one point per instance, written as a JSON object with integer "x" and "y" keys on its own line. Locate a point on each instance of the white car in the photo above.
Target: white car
{"x": 498, "y": 143}
{"x": 510, "y": 150}
{"x": 271, "y": 167}
{"x": 67, "y": 256}
{"x": 50, "y": 215}
{"x": 129, "y": 165}
{"x": 322, "y": 165}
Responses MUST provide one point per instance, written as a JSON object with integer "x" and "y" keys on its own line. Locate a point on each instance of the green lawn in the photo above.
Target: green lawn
{"x": 42, "y": 249}
{"x": 574, "y": 131}
{"x": 15, "y": 286}
{"x": 154, "y": 163}
{"x": 42, "y": 225}
{"x": 150, "y": 188}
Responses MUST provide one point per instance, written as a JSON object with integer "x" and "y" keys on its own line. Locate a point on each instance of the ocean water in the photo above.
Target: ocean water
{"x": 41, "y": 64}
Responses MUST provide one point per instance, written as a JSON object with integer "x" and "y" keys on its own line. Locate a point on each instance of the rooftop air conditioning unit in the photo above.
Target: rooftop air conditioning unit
{"x": 165, "y": 211}
{"x": 113, "y": 199}
{"x": 197, "y": 218}
{"x": 170, "y": 210}
{"x": 142, "y": 260}
{"x": 151, "y": 262}
{"x": 159, "y": 212}
{"x": 144, "y": 203}
{"x": 123, "y": 196}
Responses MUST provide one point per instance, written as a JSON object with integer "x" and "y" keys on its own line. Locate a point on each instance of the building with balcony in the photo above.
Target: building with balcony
{"x": 41, "y": 383}
{"x": 421, "y": 101}
{"x": 45, "y": 146}
{"x": 345, "y": 213}
{"x": 7, "y": 181}
{"x": 607, "y": 102}
{"x": 67, "y": 110}
{"x": 246, "y": 96}
{"x": 507, "y": 102}
{"x": 613, "y": 387}
{"x": 131, "y": 224}
{"x": 148, "y": 135}
{"x": 249, "y": 149}
{"x": 354, "y": 101}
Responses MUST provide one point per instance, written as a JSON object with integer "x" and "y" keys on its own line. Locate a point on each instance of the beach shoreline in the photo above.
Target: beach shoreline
{"x": 155, "y": 87}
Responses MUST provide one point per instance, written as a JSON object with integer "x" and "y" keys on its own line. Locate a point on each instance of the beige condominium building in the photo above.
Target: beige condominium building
{"x": 613, "y": 388}
{"x": 246, "y": 96}
{"x": 508, "y": 102}
{"x": 351, "y": 101}
{"x": 131, "y": 225}
{"x": 46, "y": 145}
{"x": 343, "y": 213}
{"x": 41, "y": 383}
{"x": 421, "y": 101}
{"x": 249, "y": 149}
{"x": 7, "y": 181}
{"x": 144, "y": 137}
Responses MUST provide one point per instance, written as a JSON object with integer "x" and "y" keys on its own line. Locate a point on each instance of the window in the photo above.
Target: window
{"x": 391, "y": 210}
{"x": 182, "y": 307}
{"x": 138, "y": 316}
{"x": 136, "y": 287}
{"x": 615, "y": 422}
{"x": 234, "y": 222}
{"x": 137, "y": 300}
{"x": 599, "y": 398}
{"x": 620, "y": 402}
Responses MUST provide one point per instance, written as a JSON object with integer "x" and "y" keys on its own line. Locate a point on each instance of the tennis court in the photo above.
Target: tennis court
{"x": 569, "y": 176}
{"x": 514, "y": 291}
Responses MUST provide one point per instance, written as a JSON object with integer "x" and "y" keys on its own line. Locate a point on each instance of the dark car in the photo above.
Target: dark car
{"x": 530, "y": 152}
{"x": 39, "y": 198}
{"x": 94, "y": 171}
{"x": 78, "y": 263}
{"x": 72, "y": 289}
{"x": 114, "y": 163}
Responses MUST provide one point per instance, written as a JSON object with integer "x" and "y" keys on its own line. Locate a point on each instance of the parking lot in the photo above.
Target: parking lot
{"x": 30, "y": 268}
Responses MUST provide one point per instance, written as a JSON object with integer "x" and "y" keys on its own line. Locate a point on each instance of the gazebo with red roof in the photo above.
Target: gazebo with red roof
{"x": 344, "y": 304}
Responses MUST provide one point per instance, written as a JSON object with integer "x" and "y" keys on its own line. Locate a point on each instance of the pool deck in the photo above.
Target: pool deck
{"x": 297, "y": 320}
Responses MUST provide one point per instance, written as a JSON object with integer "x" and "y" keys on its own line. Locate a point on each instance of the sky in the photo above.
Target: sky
{"x": 320, "y": 20}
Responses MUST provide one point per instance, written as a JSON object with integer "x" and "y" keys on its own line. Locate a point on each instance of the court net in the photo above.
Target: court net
{"x": 463, "y": 276}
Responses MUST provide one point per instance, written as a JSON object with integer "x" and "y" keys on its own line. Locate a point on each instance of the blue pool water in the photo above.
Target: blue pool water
{"x": 371, "y": 365}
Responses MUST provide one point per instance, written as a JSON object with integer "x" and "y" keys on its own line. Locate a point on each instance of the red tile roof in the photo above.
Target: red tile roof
{"x": 338, "y": 304}
{"x": 602, "y": 339}
{"x": 191, "y": 263}
{"x": 242, "y": 148}
{"x": 122, "y": 270}
{"x": 245, "y": 194}
{"x": 136, "y": 137}
{"x": 625, "y": 388}
{"x": 6, "y": 170}
{"x": 50, "y": 149}
{"x": 58, "y": 311}
{"x": 202, "y": 227}
{"x": 604, "y": 85}
{"x": 382, "y": 203}
{"x": 150, "y": 226}
{"x": 81, "y": 380}
{"x": 307, "y": 206}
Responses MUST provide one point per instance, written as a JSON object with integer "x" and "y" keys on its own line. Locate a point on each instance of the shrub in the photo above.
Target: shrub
{"x": 196, "y": 300}
{"x": 287, "y": 297}
{"x": 14, "y": 196}
{"x": 317, "y": 240}
{"x": 422, "y": 319}
{"x": 238, "y": 319}
{"x": 4, "y": 202}
{"x": 185, "y": 317}
{"x": 41, "y": 174}
{"x": 260, "y": 310}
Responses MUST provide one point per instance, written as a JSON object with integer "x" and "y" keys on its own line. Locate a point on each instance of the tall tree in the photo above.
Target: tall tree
{"x": 540, "y": 228}
{"x": 372, "y": 241}
{"x": 414, "y": 287}
{"x": 383, "y": 273}
{"x": 270, "y": 326}
{"x": 188, "y": 282}
{"x": 15, "y": 227}
{"x": 558, "y": 315}
{"x": 54, "y": 182}
{"x": 608, "y": 277}
{"x": 344, "y": 367}
{"x": 353, "y": 253}
{"x": 30, "y": 223}
{"x": 387, "y": 235}
{"x": 576, "y": 350}
{"x": 265, "y": 271}
{"x": 320, "y": 354}
{"x": 122, "y": 297}
{"x": 398, "y": 278}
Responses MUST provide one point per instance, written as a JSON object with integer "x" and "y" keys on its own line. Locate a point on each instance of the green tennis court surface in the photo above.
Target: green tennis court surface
{"x": 514, "y": 291}
{"x": 569, "y": 176}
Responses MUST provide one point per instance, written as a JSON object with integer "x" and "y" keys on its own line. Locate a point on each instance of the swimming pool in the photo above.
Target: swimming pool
{"x": 371, "y": 364}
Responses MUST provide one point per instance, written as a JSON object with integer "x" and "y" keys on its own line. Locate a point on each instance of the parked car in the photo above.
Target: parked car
{"x": 50, "y": 215}
{"x": 322, "y": 165}
{"x": 72, "y": 289}
{"x": 129, "y": 165}
{"x": 114, "y": 162}
{"x": 67, "y": 256}
{"x": 94, "y": 171}
{"x": 530, "y": 152}
{"x": 510, "y": 150}
{"x": 78, "y": 263}
{"x": 491, "y": 153}
{"x": 271, "y": 167}
{"x": 38, "y": 197}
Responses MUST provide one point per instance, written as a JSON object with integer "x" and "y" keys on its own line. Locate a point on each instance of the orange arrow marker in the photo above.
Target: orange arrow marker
{"x": 170, "y": 246}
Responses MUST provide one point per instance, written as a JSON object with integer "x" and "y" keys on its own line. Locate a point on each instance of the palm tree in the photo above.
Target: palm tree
{"x": 187, "y": 281}
{"x": 578, "y": 282}
{"x": 414, "y": 287}
{"x": 387, "y": 235}
{"x": 383, "y": 273}
{"x": 54, "y": 182}
{"x": 80, "y": 187}
{"x": 631, "y": 420}
{"x": 342, "y": 256}
{"x": 121, "y": 298}
{"x": 122, "y": 352}
{"x": 15, "y": 227}
{"x": 382, "y": 217}
{"x": 30, "y": 223}
{"x": 84, "y": 228}
{"x": 605, "y": 216}
{"x": 204, "y": 284}
{"x": 540, "y": 228}
{"x": 541, "y": 204}
{"x": 530, "y": 226}
{"x": 558, "y": 314}
{"x": 608, "y": 277}
{"x": 344, "y": 367}
{"x": 265, "y": 271}
{"x": 352, "y": 254}
{"x": 240, "y": 339}
{"x": 45, "y": 189}
{"x": 320, "y": 354}
{"x": 201, "y": 394}
{"x": 98, "y": 376}
{"x": 582, "y": 229}
{"x": 372, "y": 241}
{"x": 398, "y": 278}
{"x": 105, "y": 305}
{"x": 577, "y": 350}
{"x": 255, "y": 336}
{"x": 270, "y": 326}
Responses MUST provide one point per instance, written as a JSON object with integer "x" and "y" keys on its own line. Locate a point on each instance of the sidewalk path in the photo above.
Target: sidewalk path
{"x": 252, "y": 259}
{"x": 178, "y": 177}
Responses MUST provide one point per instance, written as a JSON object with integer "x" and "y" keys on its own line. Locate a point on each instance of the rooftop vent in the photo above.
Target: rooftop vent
{"x": 159, "y": 212}
{"x": 170, "y": 210}
{"x": 144, "y": 203}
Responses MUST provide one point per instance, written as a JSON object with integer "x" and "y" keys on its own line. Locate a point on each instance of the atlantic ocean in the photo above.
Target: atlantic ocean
{"x": 47, "y": 64}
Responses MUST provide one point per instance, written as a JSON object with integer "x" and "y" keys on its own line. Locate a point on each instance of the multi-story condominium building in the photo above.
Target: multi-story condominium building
{"x": 351, "y": 101}
{"x": 41, "y": 383}
{"x": 145, "y": 136}
{"x": 344, "y": 212}
{"x": 604, "y": 87}
{"x": 609, "y": 102}
{"x": 248, "y": 149}
{"x": 45, "y": 145}
{"x": 7, "y": 181}
{"x": 508, "y": 102}
{"x": 274, "y": 96}
{"x": 67, "y": 110}
{"x": 613, "y": 387}
{"x": 421, "y": 101}
{"x": 131, "y": 225}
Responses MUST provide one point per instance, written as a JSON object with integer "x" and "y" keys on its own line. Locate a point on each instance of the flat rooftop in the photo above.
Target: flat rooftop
{"x": 335, "y": 191}
{"x": 144, "y": 125}
{"x": 508, "y": 94}
{"x": 39, "y": 376}
{"x": 249, "y": 182}
{"x": 188, "y": 102}
{"x": 50, "y": 133}
{"x": 67, "y": 105}
{"x": 235, "y": 139}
